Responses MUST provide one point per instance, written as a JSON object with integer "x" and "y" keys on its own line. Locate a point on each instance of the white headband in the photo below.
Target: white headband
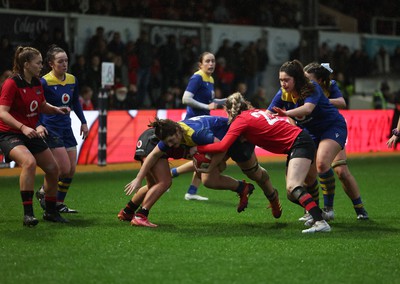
{"x": 327, "y": 67}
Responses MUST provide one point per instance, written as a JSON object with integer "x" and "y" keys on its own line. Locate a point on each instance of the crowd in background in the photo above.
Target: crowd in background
{"x": 151, "y": 76}
{"x": 273, "y": 13}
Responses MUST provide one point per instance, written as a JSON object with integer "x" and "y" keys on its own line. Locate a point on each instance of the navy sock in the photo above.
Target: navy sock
{"x": 192, "y": 189}
{"x": 174, "y": 172}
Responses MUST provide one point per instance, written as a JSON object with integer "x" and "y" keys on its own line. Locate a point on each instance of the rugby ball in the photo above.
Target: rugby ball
{"x": 201, "y": 161}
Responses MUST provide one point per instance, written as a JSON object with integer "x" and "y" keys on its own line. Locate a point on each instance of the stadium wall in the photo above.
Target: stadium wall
{"x": 368, "y": 132}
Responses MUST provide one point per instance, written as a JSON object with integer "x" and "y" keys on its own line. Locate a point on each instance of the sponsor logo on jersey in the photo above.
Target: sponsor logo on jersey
{"x": 139, "y": 144}
{"x": 65, "y": 98}
{"x": 33, "y": 106}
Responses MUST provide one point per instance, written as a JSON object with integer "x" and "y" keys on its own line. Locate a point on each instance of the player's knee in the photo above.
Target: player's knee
{"x": 323, "y": 167}
{"x": 29, "y": 164}
{"x": 257, "y": 173}
{"x": 53, "y": 170}
{"x": 341, "y": 169}
{"x": 165, "y": 184}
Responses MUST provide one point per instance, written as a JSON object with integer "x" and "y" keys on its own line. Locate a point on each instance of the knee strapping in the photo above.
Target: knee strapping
{"x": 252, "y": 174}
{"x": 297, "y": 192}
{"x": 338, "y": 163}
{"x": 251, "y": 170}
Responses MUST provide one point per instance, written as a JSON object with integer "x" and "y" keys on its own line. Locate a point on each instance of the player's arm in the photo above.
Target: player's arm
{"x": 77, "y": 107}
{"x": 303, "y": 110}
{"x": 148, "y": 163}
{"x": 217, "y": 147}
{"x": 8, "y": 119}
{"x": 188, "y": 99}
{"x": 336, "y": 96}
{"x": 339, "y": 103}
{"x": 395, "y": 137}
{"x": 47, "y": 108}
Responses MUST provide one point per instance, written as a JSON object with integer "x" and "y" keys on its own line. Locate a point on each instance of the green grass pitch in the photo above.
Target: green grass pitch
{"x": 204, "y": 242}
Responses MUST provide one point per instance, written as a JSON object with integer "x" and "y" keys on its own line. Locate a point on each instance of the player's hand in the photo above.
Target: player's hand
{"x": 201, "y": 170}
{"x": 279, "y": 112}
{"x": 193, "y": 150}
{"x": 84, "y": 131}
{"x": 64, "y": 110}
{"x": 392, "y": 141}
{"x": 212, "y": 106}
{"x": 29, "y": 132}
{"x": 42, "y": 131}
{"x": 133, "y": 186}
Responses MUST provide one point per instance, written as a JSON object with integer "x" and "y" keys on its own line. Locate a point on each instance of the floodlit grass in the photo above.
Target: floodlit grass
{"x": 204, "y": 242}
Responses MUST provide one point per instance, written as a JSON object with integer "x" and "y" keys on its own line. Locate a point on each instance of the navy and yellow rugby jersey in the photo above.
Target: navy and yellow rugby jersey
{"x": 200, "y": 130}
{"x": 323, "y": 115}
{"x": 333, "y": 91}
{"x": 62, "y": 94}
{"x": 201, "y": 86}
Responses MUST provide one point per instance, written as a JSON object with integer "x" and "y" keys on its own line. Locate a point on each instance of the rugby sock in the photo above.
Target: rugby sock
{"x": 272, "y": 196}
{"x": 130, "y": 207}
{"x": 27, "y": 202}
{"x": 358, "y": 205}
{"x": 192, "y": 189}
{"x": 240, "y": 187}
{"x": 314, "y": 191}
{"x": 327, "y": 181}
{"x": 307, "y": 202}
{"x": 174, "y": 172}
{"x": 63, "y": 186}
{"x": 143, "y": 212}
{"x": 50, "y": 203}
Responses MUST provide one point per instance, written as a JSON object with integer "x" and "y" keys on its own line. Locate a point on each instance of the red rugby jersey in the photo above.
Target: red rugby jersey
{"x": 271, "y": 133}
{"x": 23, "y": 99}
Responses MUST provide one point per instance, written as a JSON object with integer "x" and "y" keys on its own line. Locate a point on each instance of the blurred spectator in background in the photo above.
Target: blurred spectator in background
{"x": 96, "y": 39}
{"x": 324, "y": 53}
{"x": 80, "y": 70}
{"x": 6, "y": 54}
{"x": 241, "y": 87}
{"x": 382, "y": 96}
{"x": 170, "y": 62}
{"x": 358, "y": 65}
{"x": 119, "y": 97}
{"x": 6, "y": 74}
{"x": 116, "y": 45}
{"x": 59, "y": 40}
{"x": 395, "y": 60}
{"x": 132, "y": 96}
{"x": 188, "y": 53}
{"x": 132, "y": 61}
{"x": 221, "y": 13}
{"x": 260, "y": 100}
{"x": 345, "y": 87}
{"x": 382, "y": 61}
{"x": 144, "y": 52}
{"x": 340, "y": 58}
{"x": 167, "y": 100}
{"x": 224, "y": 51}
{"x": 250, "y": 67}
{"x": 94, "y": 77}
{"x": 120, "y": 71}
{"x": 224, "y": 77}
{"x": 42, "y": 42}
{"x": 85, "y": 98}
{"x": 237, "y": 63}
{"x": 263, "y": 60}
